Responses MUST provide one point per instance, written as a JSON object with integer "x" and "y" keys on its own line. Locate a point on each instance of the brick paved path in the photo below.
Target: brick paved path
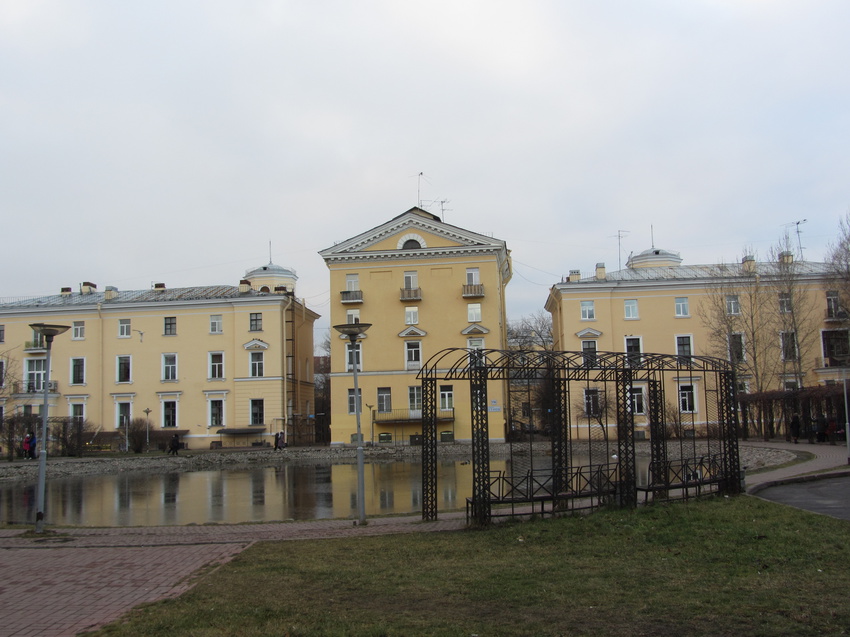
{"x": 78, "y": 579}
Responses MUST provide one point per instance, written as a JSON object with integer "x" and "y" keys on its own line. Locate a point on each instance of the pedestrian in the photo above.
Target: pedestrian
{"x": 33, "y": 444}
{"x": 831, "y": 430}
{"x": 277, "y": 441}
{"x": 25, "y": 447}
{"x": 174, "y": 445}
{"x": 795, "y": 427}
{"x": 821, "y": 427}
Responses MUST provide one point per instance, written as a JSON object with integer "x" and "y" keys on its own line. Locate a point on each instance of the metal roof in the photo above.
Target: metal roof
{"x": 162, "y": 295}
{"x": 712, "y": 271}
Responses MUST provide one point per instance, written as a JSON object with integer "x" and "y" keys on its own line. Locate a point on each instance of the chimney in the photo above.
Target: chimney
{"x": 748, "y": 264}
{"x": 786, "y": 258}
{"x": 600, "y": 271}
{"x": 65, "y": 292}
{"x": 111, "y": 292}
{"x": 575, "y": 275}
{"x": 88, "y": 287}
{"x": 159, "y": 287}
{"x": 244, "y": 286}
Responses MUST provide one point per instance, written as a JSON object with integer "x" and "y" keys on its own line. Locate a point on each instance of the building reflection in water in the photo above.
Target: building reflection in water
{"x": 293, "y": 491}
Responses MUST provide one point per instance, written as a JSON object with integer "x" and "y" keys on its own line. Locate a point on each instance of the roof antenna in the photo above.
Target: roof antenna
{"x": 418, "y": 188}
{"x": 652, "y": 235}
{"x": 270, "y": 252}
{"x": 443, "y": 209}
{"x": 799, "y": 242}
{"x": 620, "y": 234}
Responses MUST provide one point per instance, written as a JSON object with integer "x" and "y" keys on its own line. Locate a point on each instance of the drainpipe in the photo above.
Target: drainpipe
{"x": 285, "y": 376}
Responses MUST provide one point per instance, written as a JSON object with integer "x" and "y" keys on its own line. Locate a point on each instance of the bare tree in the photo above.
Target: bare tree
{"x": 838, "y": 259}
{"x": 532, "y": 332}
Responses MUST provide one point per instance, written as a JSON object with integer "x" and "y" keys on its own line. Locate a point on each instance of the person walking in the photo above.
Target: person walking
{"x": 795, "y": 427}
{"x": 25, "y": 447}
{"x": 33, "y": 444}
{"x": 174, "y": 445}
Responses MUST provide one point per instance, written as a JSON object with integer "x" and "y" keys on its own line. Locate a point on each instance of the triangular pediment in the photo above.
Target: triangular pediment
{"x": 589, "y": 333}
{"x": 412, "y": 331}
{"x": 256, "y": 344}
{"x": 474, "y": 329}
{"x": 411, "y": 234}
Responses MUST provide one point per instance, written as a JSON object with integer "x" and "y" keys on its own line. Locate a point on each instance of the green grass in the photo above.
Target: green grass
{"x": 738, "y": 566}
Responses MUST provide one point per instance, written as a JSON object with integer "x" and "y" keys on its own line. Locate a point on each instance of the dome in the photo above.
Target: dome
{"x": 654, "y": 258}
{"x": 268, "y": 277}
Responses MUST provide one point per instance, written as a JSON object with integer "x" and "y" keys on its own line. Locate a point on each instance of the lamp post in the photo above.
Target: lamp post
{"x": 353, "y": 331}
{"x": 48, "y": 332}
{"x": 846, "y": 417}
{"x": 147, "y": 429}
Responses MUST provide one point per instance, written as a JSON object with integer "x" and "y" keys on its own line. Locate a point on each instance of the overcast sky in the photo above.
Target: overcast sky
{"x": 171, "y": 141}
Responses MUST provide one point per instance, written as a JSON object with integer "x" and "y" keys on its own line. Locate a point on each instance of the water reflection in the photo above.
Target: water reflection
{"x": 233, "y": 496}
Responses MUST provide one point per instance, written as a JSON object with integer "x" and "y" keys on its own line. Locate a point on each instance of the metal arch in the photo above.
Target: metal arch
{"x": 429, "y": 448}
{"x": 480, "y": 446}
{"x": 626, "y": 439}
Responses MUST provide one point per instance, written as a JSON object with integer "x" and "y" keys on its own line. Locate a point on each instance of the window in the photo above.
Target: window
{"x": 385, "y": 400}
{"x": 78, "y": 412}
{"x": 413, "y": 354}
{"x": 258, "y": 411}
{"x": 473, "y": 312}
{"x": 353, "y": 357}
{"x": 216, "y": 324}
{"x": 124, "y": 328}
{"x": 352, "y": 282}
{"x": 352, "y": 406}
{"x": 169, "y": 326}
{"x": 636, "y": 396}
{"x": 256, "y": 364}
{"x": 630, "y": 309}
{"x": 784, "y": 302}
{"x": 833, "y": 306}
{"x": 591, "y": 402}
{"x": 122, "y": 415}
{"x": 169, "y": 413}
{"x": 35, "y": 374}
{"x": 2, "y": 333}
{"x": 352, "y": 316}
{"x": 588, "y": 349}
{"x": 687, "y": 404}
{"x": 124, "y": 369}
{"x": 682, "y": 306}
{"x": 789, "y": 345}
{"x": 588, "y": 311}
{"x": 216, "y": 413}
{"x": 411, "y": 315}
{"x": 475, "y": 343}
{"x": 733, "y": 305}
{"x": 79, "y": 330}
{"x": 37, "y": 340}
{"x": 633, "y": 349}
{"x": 411, "y": 280}
{"x": 447, "y": 398}
{"x": 256, "y": 323}
{"x": 836, "y": 348}
{"x": 683, "y": 346}
{"x": 414, "y": 398}
{"x": 736, "y": 348}
{"x": 473, "y": 277}
{"x": 169, "y": 367}
{"x": 791, "y": 385}
{"x": 2, "y": 377}
{"x": 216, "y": 365}
{"x": 78, "y": 371}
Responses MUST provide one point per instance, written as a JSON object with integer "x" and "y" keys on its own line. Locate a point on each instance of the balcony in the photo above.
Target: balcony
{"x": 473, "y": 290}
{"x": 35, "y": 346}
{"x": 836, "y": 314}
{"x": 410, "y": 415}
{"x": 352, "y": 296}
{"x": 35, "y": 387}
{"x": 410, "y": 294}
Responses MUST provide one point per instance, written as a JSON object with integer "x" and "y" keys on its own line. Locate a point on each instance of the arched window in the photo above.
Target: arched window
{"x": 411, "y": 244}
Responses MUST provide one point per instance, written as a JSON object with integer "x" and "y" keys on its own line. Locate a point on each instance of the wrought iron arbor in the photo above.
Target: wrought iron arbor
{"x": 592, "y": 407}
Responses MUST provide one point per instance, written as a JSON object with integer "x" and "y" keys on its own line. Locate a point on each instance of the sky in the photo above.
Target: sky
{"x": 188, "y": 141}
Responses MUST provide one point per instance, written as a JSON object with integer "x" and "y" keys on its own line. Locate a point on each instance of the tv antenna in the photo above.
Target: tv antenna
{"x": 620, "y": 234}
{"x": 799, "y": 232}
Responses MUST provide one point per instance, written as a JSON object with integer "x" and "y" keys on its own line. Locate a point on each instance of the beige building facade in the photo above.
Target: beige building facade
{"x": 217, "y": 365}
{"x": 424, "y": 286}
{"x": 778, "y": 323}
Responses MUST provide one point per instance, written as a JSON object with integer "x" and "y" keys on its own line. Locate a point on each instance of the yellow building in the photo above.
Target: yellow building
{"x": 228, "y": 365}
{"x": 779, "y": 323}
{"x": 424, "y": 286}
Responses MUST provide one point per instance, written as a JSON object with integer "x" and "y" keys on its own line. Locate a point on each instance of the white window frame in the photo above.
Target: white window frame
{"x": 411, "y": 280}
{"x": 169, "y": 326}
{"x": 588, "y": 310}
{"x": 637, "y": 409}
{"x": 630, "y": 310}
{"x": 218, "y": 398}
{"x": 473, "y": 276}
{"x": 71, "y": 374}
{"x": 252, "y": 412}
{"x": 353, "y": 356}
{"x": 733, "y": 305}
{"x": 783, "y": 335}
{"x": 785, "y": 303}
{"x": 683, "y": 309}
{"x": 125, "y": 328}
{"x": 591, "y": 402}
{"x": 690, "y": 341}
{"x": 118, "y": 368}
{"x": 473, "y": 312}
{"x": 411, "y": 315}
{"x": 79, "y": 333}
{"x": 213, "y": 366}
{"x": 169, "y": 367}
{"x": 35, "y": 374}
{"x": 216, "y": 324}
{"x": 729, "y": 338}
{"x": 257, "y": 366}
{"x": 352, "y": 406}
{"x": 447, "y": 397}
{"x": 634, "y": 359}
{"x": 163, "y": 405}
{"x": 352, "y": 315}
{"x": 412, "y": 355}
{"x": 352, "y": 282}
{"x": 118, "y": 415}
{"x": 589, "y": 352}
{"x": 687, "y": 392}
{"x": 385, "y": 400}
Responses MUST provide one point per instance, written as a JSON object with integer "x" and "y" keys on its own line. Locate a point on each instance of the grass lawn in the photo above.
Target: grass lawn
{"x": 725, "y": 566}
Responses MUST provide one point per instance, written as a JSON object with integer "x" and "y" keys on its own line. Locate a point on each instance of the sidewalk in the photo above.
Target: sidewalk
{"x": 84, "y": 578}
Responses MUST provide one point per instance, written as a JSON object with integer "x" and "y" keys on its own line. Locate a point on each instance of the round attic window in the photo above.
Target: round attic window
{"x": 411, "y": 242}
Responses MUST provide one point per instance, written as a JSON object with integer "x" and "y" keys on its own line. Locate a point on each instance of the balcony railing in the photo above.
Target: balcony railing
{"x": 408, "y": 415}
{"x": 836, "y": 314}
{"x": 35, "y": 387}
{"x": 836, "y": 361}
{"x": 473, "y": 290}
{"x": 30, "y": 346}
{"x": 410, "y": 294}
{"x": 352, "y": 296}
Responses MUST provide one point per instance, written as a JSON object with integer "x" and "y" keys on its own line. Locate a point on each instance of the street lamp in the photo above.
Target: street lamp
{"x": 147, "y": 428}
{"x": 846, "y": 416}
{"x": 48, "y": 332}
{"x": 354, "y": 331}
